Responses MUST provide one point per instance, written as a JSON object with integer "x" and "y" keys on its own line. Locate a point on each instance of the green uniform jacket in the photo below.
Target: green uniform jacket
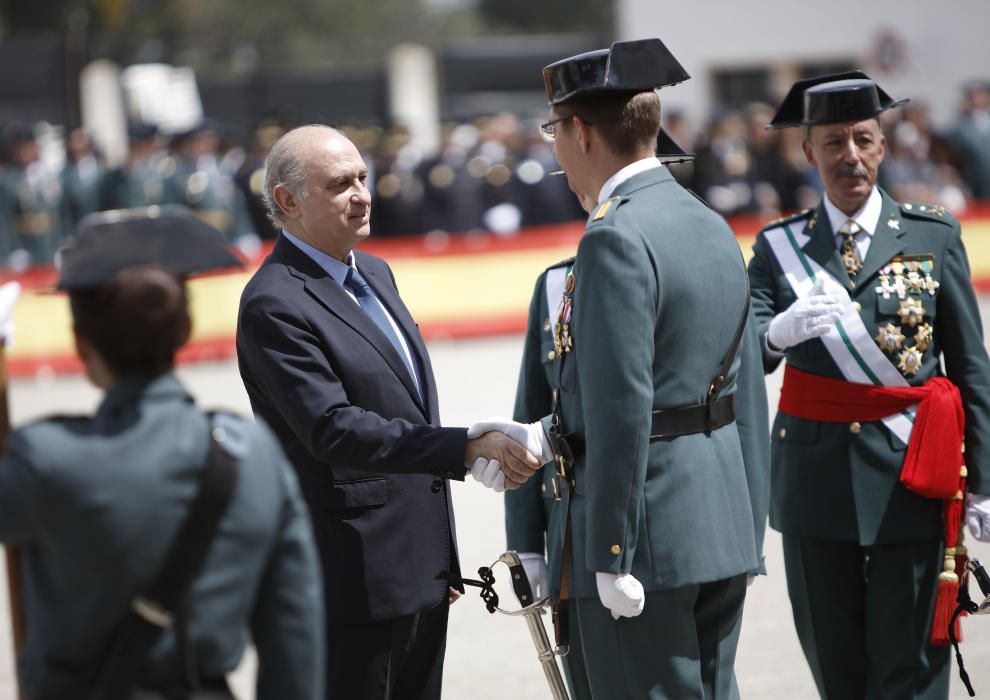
{"x": 94, "y": 504}
{"x": 660, "y": 287}
{"x": 530, "y": 509}
{"x": 828, "y": 481}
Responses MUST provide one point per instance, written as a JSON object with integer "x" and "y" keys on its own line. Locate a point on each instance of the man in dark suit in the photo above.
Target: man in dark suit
{"x": 335, "y": 364}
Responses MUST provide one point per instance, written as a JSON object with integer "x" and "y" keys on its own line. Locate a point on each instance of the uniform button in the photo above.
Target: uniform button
{"x": 783, "y": 433}
{"x": 857, "y": 306}
{"x": 551, "y": 355}
{"x": 543, "y": 488}
{"x": 436, "y": 486}
{"x": 855, "y": 427}
{"x": 616, "y": 549}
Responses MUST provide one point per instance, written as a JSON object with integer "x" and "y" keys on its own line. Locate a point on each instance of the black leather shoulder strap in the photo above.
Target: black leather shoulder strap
{"x": 161, "y": 605}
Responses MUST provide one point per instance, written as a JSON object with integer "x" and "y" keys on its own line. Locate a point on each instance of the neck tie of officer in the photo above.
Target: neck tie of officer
{"x": 849, "y": 250}
{"x": 358, "y": 286}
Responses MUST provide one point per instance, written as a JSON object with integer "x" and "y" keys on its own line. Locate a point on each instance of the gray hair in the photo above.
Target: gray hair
{"x": 285, "y": 166}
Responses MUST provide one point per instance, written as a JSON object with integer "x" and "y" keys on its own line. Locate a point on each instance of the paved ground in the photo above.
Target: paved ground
{"x": 488, "y": 656}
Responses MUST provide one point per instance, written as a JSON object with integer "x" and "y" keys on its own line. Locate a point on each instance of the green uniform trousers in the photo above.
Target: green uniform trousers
{"x": 863, "y": 615}
{"x": 631, "y": 659}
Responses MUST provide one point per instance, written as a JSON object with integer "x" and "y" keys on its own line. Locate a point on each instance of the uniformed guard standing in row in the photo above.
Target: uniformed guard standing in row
{"x": 864, "y": 296}
{"x": 138, "y": 182}
{"x": 662, "y": 491}
{"x": 33, "y": 197}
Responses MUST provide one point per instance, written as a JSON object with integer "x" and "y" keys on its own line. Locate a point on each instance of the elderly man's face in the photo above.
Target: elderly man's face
{"x": 334, "y": 211}
{"x": 847, "y": 156}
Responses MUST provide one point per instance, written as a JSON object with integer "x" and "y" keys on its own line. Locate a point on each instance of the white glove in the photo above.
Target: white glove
{"x": 622, "y": 594}
{"x": 9, "y": 294}
{"x": 532, "y": 436}
{"x": 537, "y": 573}
{"x": 805, "y": 319}
{"x": 489, "y": 473}
{"x": 978, "y": 516}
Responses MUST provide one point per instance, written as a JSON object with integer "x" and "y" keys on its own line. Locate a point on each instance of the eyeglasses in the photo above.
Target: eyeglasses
{"x": 549, "y": 128}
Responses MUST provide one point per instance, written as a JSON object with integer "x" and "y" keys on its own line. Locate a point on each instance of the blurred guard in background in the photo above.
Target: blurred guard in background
{"x": 663, "y": 494}
{"x": 94, "y": 502}
{"x": 80, "y": 179}
{"x": 864, "y": 296}
{"x": 137, "y": 183}
{"x": 33, "y": 196}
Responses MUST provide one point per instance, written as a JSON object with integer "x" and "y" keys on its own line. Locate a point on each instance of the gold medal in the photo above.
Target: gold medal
{"x": 911, "y": 312}
{"x": 889, "y": 338}
{"x": 909, "y": 361}
{"x": 923, "y": 338}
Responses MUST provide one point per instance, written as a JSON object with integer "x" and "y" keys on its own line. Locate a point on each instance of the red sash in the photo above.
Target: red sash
{"x": 931, "y": 466}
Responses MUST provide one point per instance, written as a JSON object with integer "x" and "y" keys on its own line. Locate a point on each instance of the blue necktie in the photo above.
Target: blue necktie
{"x": 371, "y": 306}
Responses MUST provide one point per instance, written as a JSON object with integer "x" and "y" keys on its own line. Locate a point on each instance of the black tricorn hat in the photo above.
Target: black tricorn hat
{"x": 829, "y": 99}
{"x": 170, "y": 236}
{"x": 629, "y": 66}
{"x": 141, "y": 131}
{"x": 669, "y": 152}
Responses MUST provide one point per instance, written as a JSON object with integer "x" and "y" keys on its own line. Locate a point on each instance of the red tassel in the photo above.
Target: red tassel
{"x": 945, "y": 605}
{"x": 955, "y": 560}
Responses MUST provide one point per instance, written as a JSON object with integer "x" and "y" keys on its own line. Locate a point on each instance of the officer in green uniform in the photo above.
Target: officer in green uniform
{"x": 138, "y": 182}
{"x": 531, "y": 512}
{"x": 34, "y": 196}
{"x": 192, "y": 178}
{"x": 94, "y": 502}
{"x": 664, "y": 490}
{"x": 80, "y": 179}
{"x": 867, "y": 291}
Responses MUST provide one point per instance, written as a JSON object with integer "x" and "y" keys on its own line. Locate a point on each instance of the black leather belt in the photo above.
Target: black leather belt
{"x": 675, "y": 422}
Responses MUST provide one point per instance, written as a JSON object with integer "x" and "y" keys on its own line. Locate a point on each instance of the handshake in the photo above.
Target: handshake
{"x": 502, "y": 454}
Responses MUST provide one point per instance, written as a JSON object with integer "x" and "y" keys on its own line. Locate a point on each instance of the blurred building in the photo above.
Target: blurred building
{"x": 742, "y": 51}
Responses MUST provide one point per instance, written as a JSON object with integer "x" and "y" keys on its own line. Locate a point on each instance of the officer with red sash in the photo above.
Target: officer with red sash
{"x": 867, "y": 299}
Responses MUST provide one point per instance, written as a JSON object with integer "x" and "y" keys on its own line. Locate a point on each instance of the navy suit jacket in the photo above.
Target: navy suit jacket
{"x": 372, "y": 459}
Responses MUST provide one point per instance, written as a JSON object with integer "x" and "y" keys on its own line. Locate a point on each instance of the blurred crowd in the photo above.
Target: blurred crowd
{"x": 494, "y": 174}
{"x": 743, "y": 168}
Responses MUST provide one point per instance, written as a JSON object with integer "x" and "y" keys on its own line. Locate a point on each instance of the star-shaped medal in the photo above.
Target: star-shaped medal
{"x": 894, "y": 224}
{"x": 923, "y": 338}
{"x": 889, "y": 337}
{"x": 909, "y": 361}
{"x": 911, "y": 312}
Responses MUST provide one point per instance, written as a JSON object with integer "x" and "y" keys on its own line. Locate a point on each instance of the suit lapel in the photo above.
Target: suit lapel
{"x": 886, "y": 242}
{"x": 821, "y": 246}
{"x": 334, "y": 299}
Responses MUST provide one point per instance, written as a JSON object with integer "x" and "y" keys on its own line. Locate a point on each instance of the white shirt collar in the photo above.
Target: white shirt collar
{"x": 867, "y": 217}
{"x": 333, "y": 267}
{"x": 640, "y": 166}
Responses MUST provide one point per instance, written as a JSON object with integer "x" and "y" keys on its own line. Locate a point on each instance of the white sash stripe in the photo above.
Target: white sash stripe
{"x": 857, "y": 348}
{"x": 554, "y": 286}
